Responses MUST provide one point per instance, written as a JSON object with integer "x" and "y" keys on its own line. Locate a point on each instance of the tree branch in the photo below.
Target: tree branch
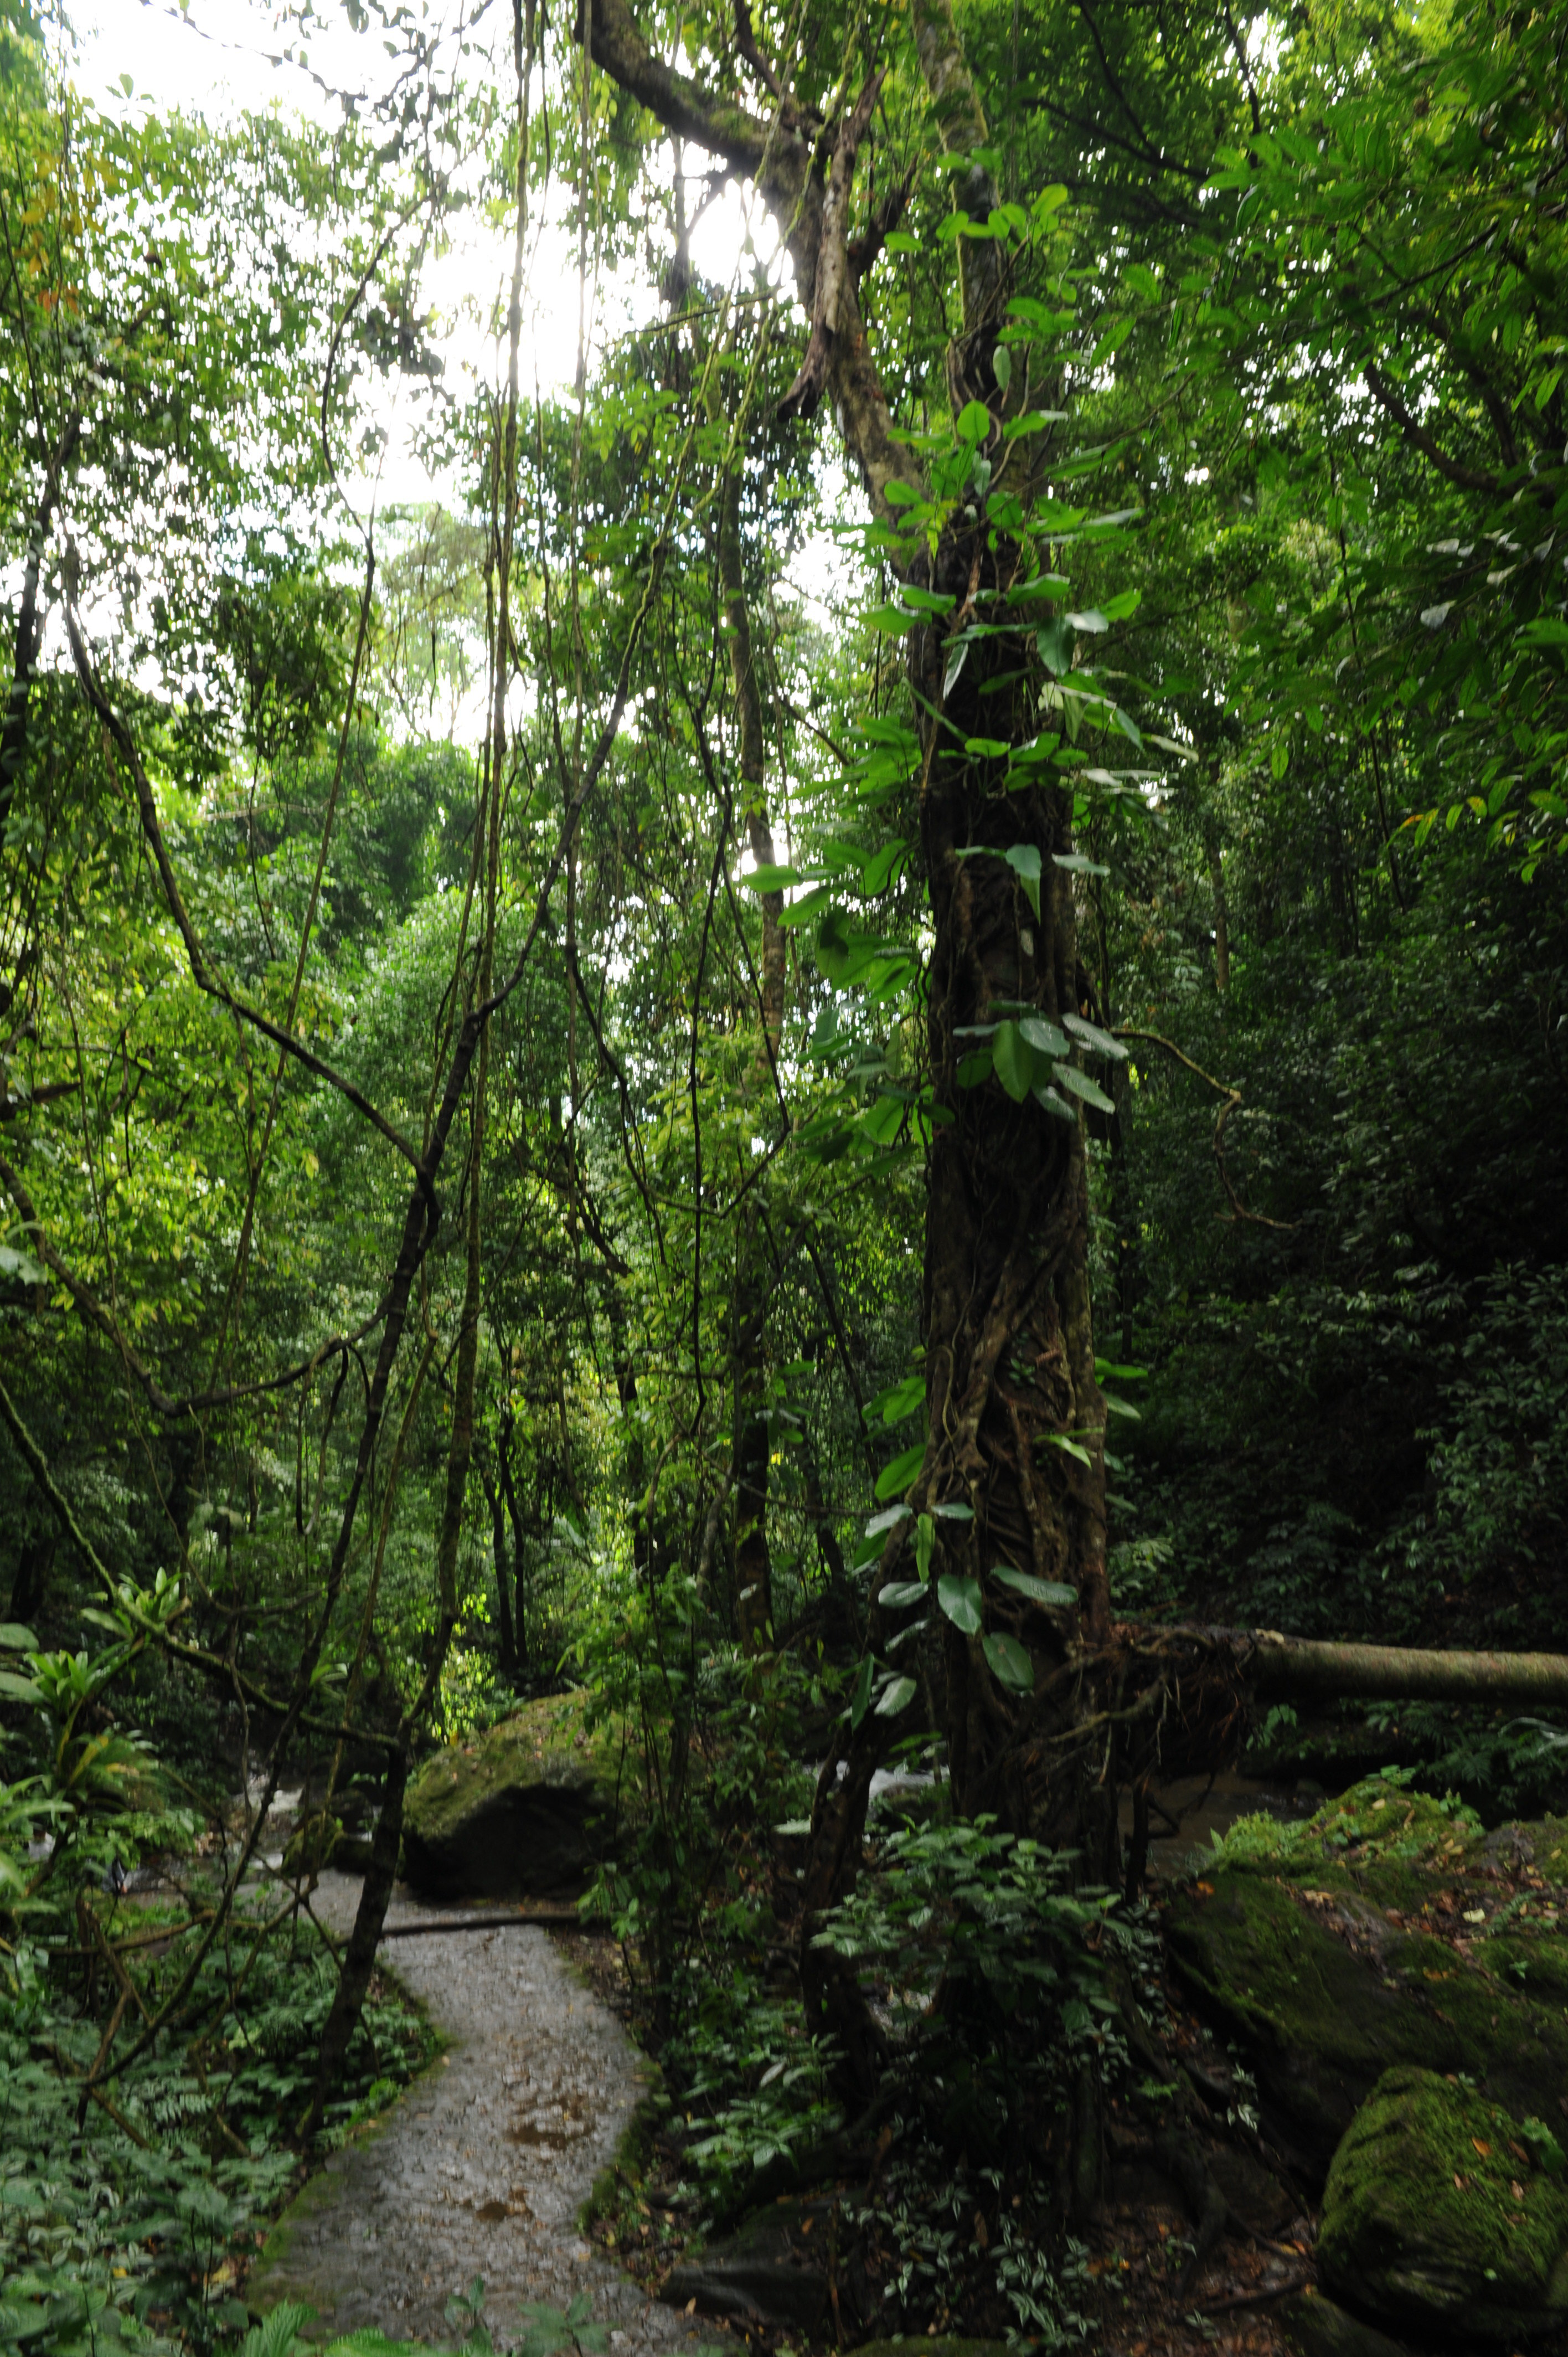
{"x": 833, "y": 259}
{"x": 201, "y": 973}
{"x": 1468, "y": 478}
{"x": 718, "y": 124}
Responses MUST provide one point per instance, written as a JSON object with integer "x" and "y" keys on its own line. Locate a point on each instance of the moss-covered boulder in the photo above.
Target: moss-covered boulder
{"x": 525, "y": 1810}
{"x": 1365, "y": 1939}
{"x": 1435, "y": 2217}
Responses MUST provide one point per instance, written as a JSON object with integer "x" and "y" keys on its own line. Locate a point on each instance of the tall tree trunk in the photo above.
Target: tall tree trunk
{"x": 503, "y": 1573}
{"x": 1221, "y": 924}
{"x": 30, "y": 1579}
{"x": 753, "y": 1565}
{"x": 29, "y": 625}
{"x": 360, "y": 1958}
{"x": 519, "y": 1614}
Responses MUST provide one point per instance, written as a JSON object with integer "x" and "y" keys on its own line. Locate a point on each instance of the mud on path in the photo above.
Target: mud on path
{"x": 481, "y": 2167}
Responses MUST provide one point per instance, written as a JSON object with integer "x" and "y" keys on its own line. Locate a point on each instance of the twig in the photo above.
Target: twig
{"x": 1232, "y": 1099}
{"x": 1251, "y": 2298}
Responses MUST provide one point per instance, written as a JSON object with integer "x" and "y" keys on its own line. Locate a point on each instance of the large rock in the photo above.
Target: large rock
{"x": 773, "y": 2271}
{"x": 1435, "y": 2218}
{"x": 1310, "y": 1945}
{"x": 526, "y": 1810}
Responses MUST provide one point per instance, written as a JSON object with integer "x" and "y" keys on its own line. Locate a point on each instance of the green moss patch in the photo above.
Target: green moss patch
{"x": 545, "y": 1742}
{"x": 1340, "y": 1948}
{"x": 1318, "y": 2021}
{"x": 528, "y": 1808}
{"x": 1434, "y": 2215}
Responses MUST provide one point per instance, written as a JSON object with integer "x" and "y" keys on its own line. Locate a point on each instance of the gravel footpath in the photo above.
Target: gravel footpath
{"x": 482, "y": 2165}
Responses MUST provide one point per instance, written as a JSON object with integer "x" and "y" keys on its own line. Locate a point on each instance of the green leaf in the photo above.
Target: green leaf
{"x": 770, "y": 879}
{"x": 901, "y": 1472}
{"x": 957, "y": 656}
{"x": 861, "y": 1696}
{"x": 1070, "y": 1077}
{"x": 1069, "y": 1446}
{"x": 1010, "y": 1665}
{"x": 898, "y": 1401}
{"x": 954, "y": 1512}
{"x": 894, "y": 1697}
{"x": 1121, "y": 1407}
{"x": 961, "y": 1599}
{"x": 1078, "y": 863}
{"x": 1015, "y": 1061}
{"x": 18, "y": 1689}
{"x": 1024, "y": 859}
{"x": 900, "y": 1593}
{"x": 972, "y": 422}
{"x": 14, "y": 1639}
{"x": 1043, "y": 1036}
{"x": 1090, "y": 620}
{"x": 1093, "y": 1036}
{"x": 925, "y": 1545}
{"x": 925, "y": 601}
{"x": 1049, "y": 1102}
{"x": 1104, "y": 1367}
{"x": 1002, "y": 366}
{"x": 880, "y": 1525}
{"x": 1054, "y": 642}
{"x": 1053, "y": 1592}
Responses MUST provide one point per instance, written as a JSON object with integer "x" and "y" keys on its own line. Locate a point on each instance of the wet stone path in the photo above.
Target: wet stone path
{"x": 483, "y": 2165}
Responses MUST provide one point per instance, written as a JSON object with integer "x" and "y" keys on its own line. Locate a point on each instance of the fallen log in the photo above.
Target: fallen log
{"x": 560, "y": 1921}
{"x": 1277, "y": 1666}
{"x": 1181, "y": 1699}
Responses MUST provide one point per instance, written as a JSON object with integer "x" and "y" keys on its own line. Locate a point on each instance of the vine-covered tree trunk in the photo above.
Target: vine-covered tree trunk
{"x": 1009, "y": 1350}
{"x": 1013, "y": 1481}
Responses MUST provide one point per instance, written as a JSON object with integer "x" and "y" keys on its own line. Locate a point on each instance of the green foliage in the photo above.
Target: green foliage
{"x": 994, "y": 1922}
{"x": 547, "y": 2333}
{"x": 135, "y": 2209}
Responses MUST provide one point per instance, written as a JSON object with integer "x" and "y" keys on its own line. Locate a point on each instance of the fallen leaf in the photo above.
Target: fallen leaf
{"x": 1482, "y": 2146}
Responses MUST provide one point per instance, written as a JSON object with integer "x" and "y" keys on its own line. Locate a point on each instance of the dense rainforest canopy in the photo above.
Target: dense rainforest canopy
{"x": 799, "y": 973}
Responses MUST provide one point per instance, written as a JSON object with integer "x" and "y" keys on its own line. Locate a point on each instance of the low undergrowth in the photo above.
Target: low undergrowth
{"x": 157, "y": 2054}
{"x": 129, "y": 2213}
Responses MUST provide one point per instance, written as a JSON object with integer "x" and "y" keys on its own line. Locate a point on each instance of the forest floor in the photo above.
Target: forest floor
{"x": 1138, "y": 2246}
{"x": 483, "y": 2165}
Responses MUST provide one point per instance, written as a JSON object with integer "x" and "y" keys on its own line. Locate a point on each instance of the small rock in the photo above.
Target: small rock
{"x": 764, "y": 2271}
{"x": 1320, "y": 2328}
{"x": 1431, "y": 2222}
